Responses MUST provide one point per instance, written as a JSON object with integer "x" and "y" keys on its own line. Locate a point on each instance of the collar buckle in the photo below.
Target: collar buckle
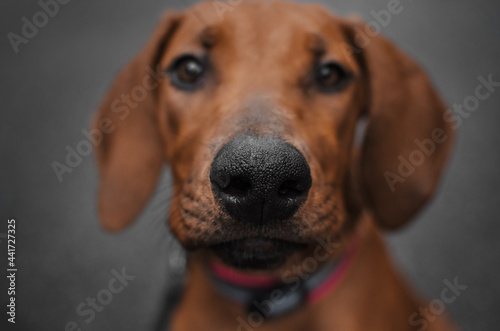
{"x": 278, "y": 301}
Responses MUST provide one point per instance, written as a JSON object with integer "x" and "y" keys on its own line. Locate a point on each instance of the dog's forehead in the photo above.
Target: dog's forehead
{"x": 274, "y": 26}
{"x": 258, "y": 11}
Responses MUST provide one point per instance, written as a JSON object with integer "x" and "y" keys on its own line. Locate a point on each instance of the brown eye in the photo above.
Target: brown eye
{"x": 187, "y": 72}
{"x": 331, "y": 77}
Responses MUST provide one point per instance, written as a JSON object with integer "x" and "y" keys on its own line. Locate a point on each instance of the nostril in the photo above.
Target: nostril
{"x": 237, "y": 186}
{"x": 291, "y": 189}
{"x": 220, "y": 178}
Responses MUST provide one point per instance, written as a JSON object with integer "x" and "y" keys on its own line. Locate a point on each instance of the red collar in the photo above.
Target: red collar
{"x": 256, "y": 291}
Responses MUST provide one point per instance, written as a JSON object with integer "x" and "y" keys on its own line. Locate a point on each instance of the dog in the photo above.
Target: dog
{"x": 294, "y": 137}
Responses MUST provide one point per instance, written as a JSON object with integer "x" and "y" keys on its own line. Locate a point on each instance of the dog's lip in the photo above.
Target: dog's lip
{"x": 257, "y": 242}
{"x": 256, "y": 252}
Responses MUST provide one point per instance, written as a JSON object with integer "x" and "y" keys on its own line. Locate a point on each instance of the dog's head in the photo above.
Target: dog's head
{"x": 257, "y": 110}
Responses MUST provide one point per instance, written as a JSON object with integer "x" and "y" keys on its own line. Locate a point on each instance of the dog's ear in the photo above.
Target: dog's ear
{"x": 130, "y": 155}
{"x": 407, "y": 139}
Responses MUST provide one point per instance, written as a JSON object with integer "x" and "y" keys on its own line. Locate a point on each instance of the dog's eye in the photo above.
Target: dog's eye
{"x": 186, "y": 72}
{"x": 331, "y": 77}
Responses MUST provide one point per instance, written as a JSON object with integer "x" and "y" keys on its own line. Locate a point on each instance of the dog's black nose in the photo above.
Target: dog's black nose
{"x": 260, "y": 180}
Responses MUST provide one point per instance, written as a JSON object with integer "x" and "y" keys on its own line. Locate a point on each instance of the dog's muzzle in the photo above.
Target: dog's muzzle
{"x": 260, "y": 180}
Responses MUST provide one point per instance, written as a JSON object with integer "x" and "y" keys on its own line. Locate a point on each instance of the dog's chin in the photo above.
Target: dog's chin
{"x": 256, "y": 253}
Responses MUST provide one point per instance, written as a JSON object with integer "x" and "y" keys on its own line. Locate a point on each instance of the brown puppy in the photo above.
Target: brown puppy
{"x": 259, "y": 111}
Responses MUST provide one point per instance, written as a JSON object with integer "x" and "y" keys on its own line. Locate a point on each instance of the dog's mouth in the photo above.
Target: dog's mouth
{"x": 256, "y": 253}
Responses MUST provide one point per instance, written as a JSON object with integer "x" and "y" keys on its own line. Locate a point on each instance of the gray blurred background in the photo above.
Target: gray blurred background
{"x": 51, "y": 87}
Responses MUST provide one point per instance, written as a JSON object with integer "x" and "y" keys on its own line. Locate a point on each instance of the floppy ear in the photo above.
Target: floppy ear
{"x": 130, "y": 155}
{"x": 407, "y": 140}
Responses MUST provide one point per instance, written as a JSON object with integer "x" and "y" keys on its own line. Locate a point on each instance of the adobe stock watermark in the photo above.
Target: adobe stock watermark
{"x": 122, "y": 105}
{"x": 426, "y": 147}
{"x": 293, "y": 278}
{"x": 436, "y": 307}
{"x": 372, "y": 28}
{"x": 89, "y": 308}
{"x": 30, "y": 27}
{"x": 221, "y": 7}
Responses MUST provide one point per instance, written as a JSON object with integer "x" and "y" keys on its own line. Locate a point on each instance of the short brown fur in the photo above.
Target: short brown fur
{"x": 260, "y": 59}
